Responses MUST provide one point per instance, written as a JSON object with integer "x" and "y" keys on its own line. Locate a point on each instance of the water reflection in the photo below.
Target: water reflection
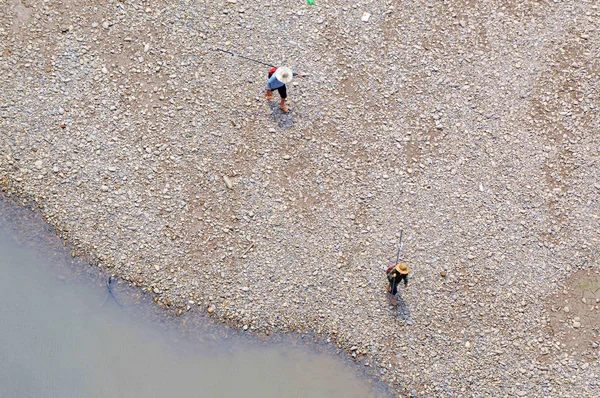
{"x": 59, "y": 338}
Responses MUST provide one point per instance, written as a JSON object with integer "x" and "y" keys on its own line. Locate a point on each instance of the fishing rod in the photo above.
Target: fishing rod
{"x": 397, "y": 259}
{"x": 251, "y": 59}
{"x": 241, "y": 56}
{"x": 399, "y": 247}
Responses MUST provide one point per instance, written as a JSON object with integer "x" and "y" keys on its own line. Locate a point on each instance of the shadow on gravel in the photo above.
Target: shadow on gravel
{"x": 284, "y": 120}
{"x": 402, "y": 310}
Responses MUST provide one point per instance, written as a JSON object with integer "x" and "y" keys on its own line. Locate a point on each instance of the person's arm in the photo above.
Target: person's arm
{"x": 392, "y": 276}
{"x": 297, "y": 74}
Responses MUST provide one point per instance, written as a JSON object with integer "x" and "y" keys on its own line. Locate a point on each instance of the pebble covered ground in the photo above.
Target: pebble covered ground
{"x": 471, "y": 126}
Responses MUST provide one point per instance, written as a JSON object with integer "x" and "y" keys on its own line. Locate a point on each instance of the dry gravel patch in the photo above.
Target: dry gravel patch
{"x": 472, "y": 126}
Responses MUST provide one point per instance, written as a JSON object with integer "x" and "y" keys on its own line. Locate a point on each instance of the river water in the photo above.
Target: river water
{"x": 61, "y": 335}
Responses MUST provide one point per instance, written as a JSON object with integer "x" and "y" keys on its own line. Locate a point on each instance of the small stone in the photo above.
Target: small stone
{"x": 468, "y": 344}
{"x": 157, "y": 267}
{"x": 94, "y": 24}
{"x": 210, "y": 309}
{"x": 245, "y": 288}
{"x": 286, "y": 157}
{"x": 112, "y": 168}
{"x": 443, "y": 274}
{"x": 104, "y": 188}
{"x": 104, "y": 70}
{"x": 228, "y": 182}
{"x": 272, "y": 130}
{"x": 105, "y": 25}
{"x": 566, "y": 309}
{"x": 38, "y": 164}
{"x": 576, "y": 324}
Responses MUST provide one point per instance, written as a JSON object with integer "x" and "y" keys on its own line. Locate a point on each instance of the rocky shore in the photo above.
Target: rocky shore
{"x": 471, "y": 126}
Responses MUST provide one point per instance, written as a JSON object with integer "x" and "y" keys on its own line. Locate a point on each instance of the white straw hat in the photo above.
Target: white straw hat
{"x": 284, "y": 74}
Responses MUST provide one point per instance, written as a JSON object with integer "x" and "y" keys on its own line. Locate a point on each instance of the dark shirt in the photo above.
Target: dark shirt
{"x": 395, "y": 278}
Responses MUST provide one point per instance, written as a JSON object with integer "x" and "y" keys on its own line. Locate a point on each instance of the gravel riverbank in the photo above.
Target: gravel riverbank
{"x": 471, "y": 126}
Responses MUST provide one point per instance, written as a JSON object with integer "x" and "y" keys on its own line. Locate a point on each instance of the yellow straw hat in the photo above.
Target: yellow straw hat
{"x": 402, "y": 268}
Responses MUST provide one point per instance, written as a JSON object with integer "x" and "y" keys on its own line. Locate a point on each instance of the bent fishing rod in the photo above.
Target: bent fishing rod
{"x": 241, "y": 56}
{"x": 251, "y": 59}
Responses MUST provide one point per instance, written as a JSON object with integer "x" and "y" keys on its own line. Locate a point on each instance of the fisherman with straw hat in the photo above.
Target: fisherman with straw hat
{"x": 398, "y": 274}
{"x": 278, "y": 78}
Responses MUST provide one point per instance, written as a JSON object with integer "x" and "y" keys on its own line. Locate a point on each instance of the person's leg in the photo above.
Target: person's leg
{"x": 269, "y": 95}
{"x": 392, "y": 288}
{"x": 283, "y": 95}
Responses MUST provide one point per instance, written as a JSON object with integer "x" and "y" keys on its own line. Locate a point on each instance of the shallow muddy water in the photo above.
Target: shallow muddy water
{"x": 61, "y": 335}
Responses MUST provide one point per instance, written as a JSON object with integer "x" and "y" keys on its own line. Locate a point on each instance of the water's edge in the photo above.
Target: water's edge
{"x": 185, "y": 322}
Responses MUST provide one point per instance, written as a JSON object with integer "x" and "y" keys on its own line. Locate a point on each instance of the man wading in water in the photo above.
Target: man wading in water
{"x": 278, "y": 78}
{"x": 395, "y": 275}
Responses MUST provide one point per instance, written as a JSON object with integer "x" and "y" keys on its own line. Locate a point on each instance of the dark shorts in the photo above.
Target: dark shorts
{"x": 396, "y": 281}
{"x": 282, "y": 91}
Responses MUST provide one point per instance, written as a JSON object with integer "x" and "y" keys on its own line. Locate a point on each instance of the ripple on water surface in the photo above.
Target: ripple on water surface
{"x": 61, "y": 336}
